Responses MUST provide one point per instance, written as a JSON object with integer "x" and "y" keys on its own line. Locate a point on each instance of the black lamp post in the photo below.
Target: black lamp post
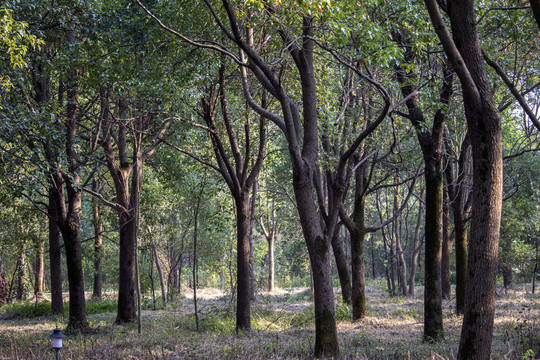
{"x": 56, "y": 338}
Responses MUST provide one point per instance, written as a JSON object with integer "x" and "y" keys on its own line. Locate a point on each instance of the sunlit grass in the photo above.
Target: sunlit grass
{"x": 282, "y": 328}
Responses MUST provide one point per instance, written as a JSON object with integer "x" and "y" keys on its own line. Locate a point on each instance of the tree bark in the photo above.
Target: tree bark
{"x": 507, "y": 264}
{"x": 457, "y": 190}
{"x": 98, "y": 243}
{"x": 55, "y": 255}
{"x": 447, "y": 243}
{"x": 271, "y": 263}
{"x": 243, "y": 271}
{"x": 20, "y": 294}
{"x": 484, "y": 125}
{"x": 431, "y": 144}
{"x": 39, "y": 271}
{"x": 342, "y": 266}
{"x": 161, "y": 276}
{"x": 402, "y": 265}
{"x": 416, "y": 248}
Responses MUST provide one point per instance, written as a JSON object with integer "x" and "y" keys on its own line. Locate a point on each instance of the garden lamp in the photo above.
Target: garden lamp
{"x": 56, "y": 338}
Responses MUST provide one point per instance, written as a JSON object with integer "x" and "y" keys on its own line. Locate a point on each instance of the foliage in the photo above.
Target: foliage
{"x": 15, "y": 42}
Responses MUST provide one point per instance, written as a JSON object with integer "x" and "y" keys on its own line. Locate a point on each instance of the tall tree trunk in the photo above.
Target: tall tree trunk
{"x": 460, "y": 226}
{"x": 399, "y": 249}
{"x": 3, "y": 285}
{"x": 433, "y": 321}
{"x": 98, "y": 243}
{"x": 431, "y": 143}
{"x": 447, "y": 243}
{"x": 507, "y": 264}
{"x": 326, "y": 342}
{"x": 271, "y": 266}
{"x": 128, "y": 238}
{"x": 358, "y": 272}
{"x": 161, "y": 276}
{"x": 55, "y": 255}
{"x": 243, "y": 273}
{"x": 39, "y": 272}
{"x": 20, "y": 294}
{"x": 416, "y": 248}
{"x": 457, "y": 191}
{"x": 252, "y": 210}
{"x": 484, "y": 125}
{"x": 342, "y": 266}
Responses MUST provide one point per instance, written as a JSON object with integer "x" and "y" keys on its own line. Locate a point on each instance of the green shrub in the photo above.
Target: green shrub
{"x": 28, "y": 309}
{"x": 101, "y": 306}
{"x": 343, "y": 312}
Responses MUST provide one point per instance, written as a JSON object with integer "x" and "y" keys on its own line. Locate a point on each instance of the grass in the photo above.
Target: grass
{"x": 283, "y": 328}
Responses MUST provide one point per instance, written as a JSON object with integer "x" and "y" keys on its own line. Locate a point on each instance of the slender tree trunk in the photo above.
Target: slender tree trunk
{"x": 342, "y": 266}
{"x": 534, "y": 270}
{"x": 431, "y": 143}
{"x": 3, "y": 289}
{"x": 21, "y": 273}
{"x": 195, "y": 256}
{"x": 399, "y": 250}
{"x": 271, "y": 266}
{"x": 98, "y": 242}
{"x": 460, "y": 226}
{"x": 446, "y": 247}
{"x": 415, "y": 250}
{"x": 507, "y": 264}
{"x": 222, "y": 279}
{"x": 161, "y": 276}
{"x": 358, "y": 272}
{"x": 55, "y": 256}
{"x": 252, "y": 209}
{"x": 39, "y": 271}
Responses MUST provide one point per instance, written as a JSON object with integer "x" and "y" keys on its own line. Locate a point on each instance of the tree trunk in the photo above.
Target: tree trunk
{"x": 342, "y": 266}
{"x": 252, "y": 209}
{"x": 431, "y": 143}
{"x": 98, "y": 242}
{"x": 433, "y": 321}
{"x": 271, "y": 266}
{"x": 72, "y": 243}
{"x": 399, "y": 249}
{"x": 243, "y": 272}
{"x": 326, "y": 342}
{"x": 21, "y": 274}
{"x": 222, "y": 279}
{"x": 358, "y": 272}
{"x": 55, "y": 256}
{"x": 3, "y": 287}
{"x": 507, "y": 264}
{"x": 416, "y": 249}
{"x": 39, "y": 271}
{"x": 447, "y": 243}
{"x": 484, "y": 125}
{"x": 161, "y": 276}
{"x": 126, "y": 282}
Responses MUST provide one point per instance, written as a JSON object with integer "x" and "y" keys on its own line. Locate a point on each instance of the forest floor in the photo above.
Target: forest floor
{"x": 282, "y": 329}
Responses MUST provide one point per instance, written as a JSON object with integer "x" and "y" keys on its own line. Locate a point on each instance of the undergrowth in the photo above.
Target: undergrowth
{"x": 282, "y": 328}
{"x": 25, "y": 309}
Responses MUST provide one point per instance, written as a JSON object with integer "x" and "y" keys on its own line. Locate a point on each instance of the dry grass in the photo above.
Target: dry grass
{"x": 283, "y": 329}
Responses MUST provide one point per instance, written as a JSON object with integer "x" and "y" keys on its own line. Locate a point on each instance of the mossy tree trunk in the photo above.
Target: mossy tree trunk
{"x": 484, "y": 125}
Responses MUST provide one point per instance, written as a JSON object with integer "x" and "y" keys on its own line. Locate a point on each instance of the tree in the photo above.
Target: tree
{"x": 463, "y": 49}
{"x": 239, "y": 178}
